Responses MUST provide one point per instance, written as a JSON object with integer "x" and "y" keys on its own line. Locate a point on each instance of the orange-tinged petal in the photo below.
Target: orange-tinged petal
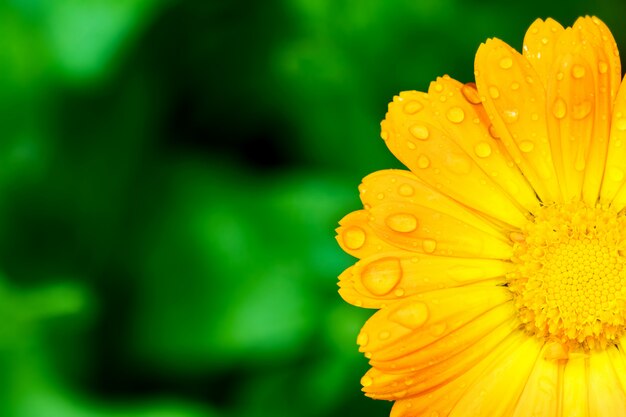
{"x": 398, "y": 186}
{"x": 462, "y": 116}
{"x": 412, "y": 323}
{"x": 579, "y": 102}
{"x": 441, "y": 400}
{"x": 379, "y": 279}
{"x": 613, "y": 190}
{"x": 356, "y": 237}
{"x": 606, "y": 395}
{"x": 497, "y": 391}
{"x": 514, "y": 98}
{"x": 443, "y": 360}
{"x": 418, "y": 139}
{"x": 539, "y": 45}
{"x": 574, "y": 388}
{"x": 540, "y": 397}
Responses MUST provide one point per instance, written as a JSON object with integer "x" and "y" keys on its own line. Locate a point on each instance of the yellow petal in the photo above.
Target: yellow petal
{"x": 379, "y": 279}
{"x": 497, "y": 391}
{"x": 514, "y": 98}
{"x": 606, "y": 395}
{"x": 539, "y": 45}
{"x": 575, "y": 388}
{"x": 418, "y": 138}
{"x": 410, "y": 324}
{"x": 447, "y": 358}
{"x": 579, "y": 102}
{"x": 613, "y": 190}
{"x": 357, "y": 238}
{"x": 440, "y": 400}
{"x": 540, "y": 397}
{"x": 468, "y": 126}
{"x": 403, "y": 187}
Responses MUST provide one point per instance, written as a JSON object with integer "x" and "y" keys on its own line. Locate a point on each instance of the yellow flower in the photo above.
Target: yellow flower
{"x": 497, "y": 263}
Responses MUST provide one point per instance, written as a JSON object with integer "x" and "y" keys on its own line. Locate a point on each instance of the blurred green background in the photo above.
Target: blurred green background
{"x": 171, "y": 173}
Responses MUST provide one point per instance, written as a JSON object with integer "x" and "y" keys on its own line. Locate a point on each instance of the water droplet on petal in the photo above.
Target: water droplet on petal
{"x": 559, "y": 75}
{"x": 621, "y": 124}
{"x": 384, "y": 134}
{"x": 398, "y": 292}
{"x": 384, "y": 335}
{"x": 406, "y": 190}
{"x": 354, "y": 237}
{"x": 578, "y": 71}
{"x": 545, "y": 41}
{"x": 419, "y": 132}
{"x": 411, "y": 316}
{"x": 559, "y": 109}
{"x": 438, "y": 329}
{"x": 423, "y": 162}
{"x": 381, "y": 276}
{"x": 456, "y": 115}
{"x": 429, "y": 245}
{"x": 510, "y": 116}
{"x": 581, "y": 110}
{"x": 603, "y": 67}
{"x": 362, "y": 339}
{"x": 482, "y": 149}
{"x": 493, "y": 132}
{"x": 506, "y": 63}
{"x": 515, "y": 86}
{"x": 413, "y": 107}
{"x": 526, "y": 146}
{"x": 380, "y": 196}
{"x": 410, "y": 145}
{"x": 438, "y": 88}
{"x": 470, "y": 94}
{"x": 494, "y": 92}
{"x": 402, "y": 222}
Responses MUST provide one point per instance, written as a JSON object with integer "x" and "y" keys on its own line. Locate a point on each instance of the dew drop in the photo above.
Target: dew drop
{"x": 398, "y": 292}
{"x": 413, "y": 107}
{"x": 402, "y": 222}
{"x": 578, "y": 71}
{"x": 526, "y": 146}
{"x": 438, "y": 88}
{"x": 581, "y": 110}
{"x": 603, "y": 67}
{"x": 438, "y": 329}
{"x": 545, "y": 41}
{"x": 354, "y": 237}
{"x": 406, "y": 190}
{"x": 384, "y": 134}
{"x": 423, "y": 162}
{"x": 621, "y": 124}
{"x": 559, "y": 76}
{"x": 506, "y": 62}
{"x": 362, "y": 339}
{"x": 380, "y": 196}
{"x": 494, "y": 92}
{"x": 384, "y": 335}
{"x": 419, "y": 132}
{"x": 411, "y": 316}
{"x": 493, "y": 133}
{"x": 381, "y": 276}
{"x": 456, "y": 115}
{"x": 510, "y": 116}
{"x": 410, "y": 145}
{"x": 482, "y": 149}
{"x": 400, "y": 394}
{"x": 515, "y": 86}
{"x": 470, "y": 94}
{"x": 559, "y": 109}
{"x": 429, "y": 245}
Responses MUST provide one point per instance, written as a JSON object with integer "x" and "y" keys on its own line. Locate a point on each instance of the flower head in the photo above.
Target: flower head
{"x": 497, "y": 262}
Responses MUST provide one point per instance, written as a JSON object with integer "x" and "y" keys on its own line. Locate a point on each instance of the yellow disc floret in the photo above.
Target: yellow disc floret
{"x": 570, "y": 280}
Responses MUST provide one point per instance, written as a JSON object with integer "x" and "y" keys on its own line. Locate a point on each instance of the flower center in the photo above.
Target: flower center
{"x": 570, "y": 282}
